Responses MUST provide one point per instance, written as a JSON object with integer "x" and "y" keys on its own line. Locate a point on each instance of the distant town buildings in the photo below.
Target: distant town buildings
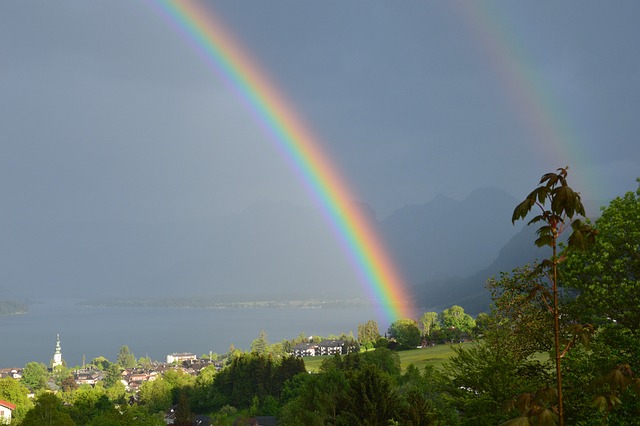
{"x": 181, "y": 357}
{"x": 325, "y": 347}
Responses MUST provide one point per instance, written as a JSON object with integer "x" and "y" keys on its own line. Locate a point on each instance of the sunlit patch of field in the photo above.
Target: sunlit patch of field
{"x": 435, "y": 356}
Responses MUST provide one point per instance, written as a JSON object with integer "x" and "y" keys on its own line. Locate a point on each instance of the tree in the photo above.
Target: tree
{"x": 17, "y": 393}
{"x": 34, "y": 376}
{"x": 126, "y": 359}
{"x": 117, "y": 393}
{"x": 59, "y": 373}
{"x": 482, "y": 325}
{"x": 101, "y": 363}
{"x": 606, "y": 281}
{"x": 287, "y": 368}
{"x": 48, "y": 410}
{"x": 156, "y": 395}
{"x": 484, "y": 379}
{"x": 183, "y": 412}
{"x": 426, "y": 396}
{"x": 563, "y": 204}
{"x": 112, "y": 375}
{"x": 455, "y": 317}
{"x": 315, "y": 400}
{"x": 607, "y": 277}
{"x": 372, "y": 400}
{"x": 518, "y": 320}
{"x": 88, "y": 403}
{"x": 178, "y": 379}
{"x": 146, "y": 362}
{"x": 368, "y": 334}
{"x": 406, "y": 333}
{"x": 68, "y": 384}
{"x": 260, "y": 344}
{"x": 429, "y": 322}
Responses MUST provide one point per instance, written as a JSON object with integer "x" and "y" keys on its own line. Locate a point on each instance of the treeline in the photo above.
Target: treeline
{"x": 9, "y": 307}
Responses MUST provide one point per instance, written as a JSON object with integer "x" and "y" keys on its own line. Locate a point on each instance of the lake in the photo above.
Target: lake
{"x": 155, "y": 332}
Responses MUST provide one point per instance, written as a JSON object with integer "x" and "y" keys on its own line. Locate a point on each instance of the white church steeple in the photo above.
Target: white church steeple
{"x": 57, "y": 356}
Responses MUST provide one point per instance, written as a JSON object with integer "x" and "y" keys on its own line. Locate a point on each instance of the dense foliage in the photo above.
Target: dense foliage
{"x": 607, "y": 276}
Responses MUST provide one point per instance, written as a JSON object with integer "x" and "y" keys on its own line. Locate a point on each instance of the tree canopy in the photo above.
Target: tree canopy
{"x": 406, "y": 333}
{"x": 126, "y": 359}
{"x": 607, "y": 276}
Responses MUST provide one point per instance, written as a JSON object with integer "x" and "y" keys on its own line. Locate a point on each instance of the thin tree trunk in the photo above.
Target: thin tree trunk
{"x": 556, "y": 330}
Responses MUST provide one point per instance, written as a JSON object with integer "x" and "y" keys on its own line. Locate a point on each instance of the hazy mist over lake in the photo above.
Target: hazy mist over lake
{"x": 156, "y": 332}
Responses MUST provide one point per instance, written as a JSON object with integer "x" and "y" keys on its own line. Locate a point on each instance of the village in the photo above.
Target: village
{"x": 132, "y": 378}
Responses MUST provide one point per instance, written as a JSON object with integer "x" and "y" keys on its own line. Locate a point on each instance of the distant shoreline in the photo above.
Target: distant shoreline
{"x": 203, "y": 303}
{"x": 9, "y": 307}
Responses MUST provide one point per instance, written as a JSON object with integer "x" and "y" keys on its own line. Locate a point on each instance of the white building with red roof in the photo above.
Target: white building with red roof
{"x": 6, "y": 408}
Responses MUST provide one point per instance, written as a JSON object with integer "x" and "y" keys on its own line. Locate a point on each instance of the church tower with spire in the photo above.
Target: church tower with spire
{"x": 57, "y": 356}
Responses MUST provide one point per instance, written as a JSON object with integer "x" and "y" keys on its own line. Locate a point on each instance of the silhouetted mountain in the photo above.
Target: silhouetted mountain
{"x": 469, "y": 292}
{"x": 269, "y": 248}
{"x": 445, "y": 238}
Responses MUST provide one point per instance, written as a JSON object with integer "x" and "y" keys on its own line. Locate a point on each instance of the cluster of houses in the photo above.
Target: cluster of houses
{"x": 132, "y": 378}
{"x": 189, "y": 363}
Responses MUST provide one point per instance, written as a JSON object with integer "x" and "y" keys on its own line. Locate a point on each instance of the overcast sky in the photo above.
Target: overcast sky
{"x": 124, "y": 157}
{"x": 109, "y": 115}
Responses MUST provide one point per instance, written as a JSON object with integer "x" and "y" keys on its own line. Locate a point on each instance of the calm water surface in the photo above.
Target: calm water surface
{"x": 155, "y": 332}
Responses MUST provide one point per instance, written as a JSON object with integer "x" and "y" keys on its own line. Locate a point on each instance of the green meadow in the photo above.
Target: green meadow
{"x": 435, "y": 356}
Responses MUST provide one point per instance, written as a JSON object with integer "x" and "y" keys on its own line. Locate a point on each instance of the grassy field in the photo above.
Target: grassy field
{"x": 436, "y": 356}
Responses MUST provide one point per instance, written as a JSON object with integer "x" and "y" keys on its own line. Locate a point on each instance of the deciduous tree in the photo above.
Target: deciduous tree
{"x": 34, "y": 376}
{"x": 607, "y": 276}
{"x": 406, "y": 333}
{"x": 48, "y": 410}
{"x": 17, "y": 393}
{"x": 156, "y": 395}
{"x": 260, "y": 344}
{"x": 368, "y": 334}
{"x": 455, "y": 317}
{"x": 126, "y": 359}
{"x": 429, "y": 322}
{"x": 557, "y": 204}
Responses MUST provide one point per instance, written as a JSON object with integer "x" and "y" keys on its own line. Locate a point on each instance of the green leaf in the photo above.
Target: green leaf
{"x": 536, "y": 219}
{"x": 600, "y": 403}
{"x": 547, "y": 418}
{"x": 582, "y": 236}
{"x": 550, "y": 178}
{"x": 541, "y": 194}
{"x": 522, "y": 209}
{"x": 544, "y": 240}
{"x": 518, "y": 421}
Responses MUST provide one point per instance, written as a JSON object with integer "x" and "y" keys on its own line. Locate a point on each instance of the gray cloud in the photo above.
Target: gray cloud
{"x": 109, "y": 116}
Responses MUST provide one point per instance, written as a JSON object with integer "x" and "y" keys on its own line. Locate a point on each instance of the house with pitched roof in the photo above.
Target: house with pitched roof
{"x": 6, "y": 408}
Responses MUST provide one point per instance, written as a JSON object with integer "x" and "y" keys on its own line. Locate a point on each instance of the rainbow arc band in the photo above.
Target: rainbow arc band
{"x": 202, "y": 29}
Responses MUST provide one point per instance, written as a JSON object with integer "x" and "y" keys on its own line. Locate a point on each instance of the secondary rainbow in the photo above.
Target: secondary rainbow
{"x": 534, "y": 102}
{"x": 293, "y": 138}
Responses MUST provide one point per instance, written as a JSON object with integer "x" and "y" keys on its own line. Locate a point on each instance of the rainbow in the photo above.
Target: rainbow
{"x": 217, "y": 46}
{"x": 532, "y": 99}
